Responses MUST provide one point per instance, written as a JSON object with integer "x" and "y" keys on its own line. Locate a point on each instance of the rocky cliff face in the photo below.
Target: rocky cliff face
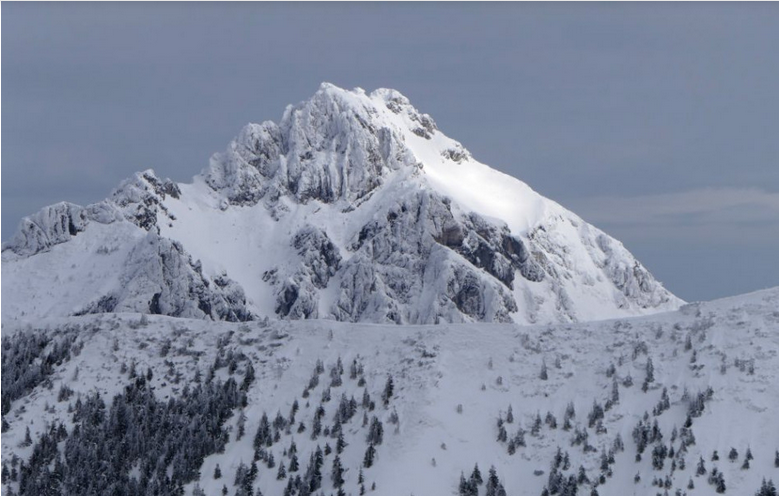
{"x": 354, "y": 207}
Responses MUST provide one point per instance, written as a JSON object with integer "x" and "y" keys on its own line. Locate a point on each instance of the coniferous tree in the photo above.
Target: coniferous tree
{"x": 476, "y": 475}
{"x": 369, "y": 456}
{"x": 281, "y": 473}
{"x": 293, "y": 467}
{"x": 615, "y": 392}
{"x": 388, "y": 391}
{"x": 464, "y": 490}
{"x": 536, "y": 429}
{"x": 733, "y": 454}
{"x": 502, "y": 434}
{"x": 649, "y": 371}
{"x": 340, "y": 444}
{"x": 375, "y": 434}
{"x": 720, "y": 486}
{"x": 582, "y": 476}
{"x": 492, "y": 481}
{"x": 28, "y": 440}
{"x": 217, "y": 474}
{"x": 241, "y": 426}
{"x": 263, "y": 436}
{"x": 337, "y": 472}
{"x": 767, "y": 487}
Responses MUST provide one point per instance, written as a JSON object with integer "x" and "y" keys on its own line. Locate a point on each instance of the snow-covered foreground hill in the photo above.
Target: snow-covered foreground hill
{"x": 129, "y": 403}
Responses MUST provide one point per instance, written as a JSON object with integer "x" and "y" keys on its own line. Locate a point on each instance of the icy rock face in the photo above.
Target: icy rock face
{"x": 327, "y": 148}
{"x": 420, "y": 248}
{"x": 319, "y": 260}
{"x": 51, "y": 225}
{"x": 140, "y": 198}
{"x": 160, "y": 278}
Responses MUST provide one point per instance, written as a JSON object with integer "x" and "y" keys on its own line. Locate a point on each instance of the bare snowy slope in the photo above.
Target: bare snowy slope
{"x": 162, "y": 405}
{"x": 354, "y": 207}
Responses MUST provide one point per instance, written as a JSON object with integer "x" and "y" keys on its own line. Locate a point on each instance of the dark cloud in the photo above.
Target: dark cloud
{"x": 578, "y": 100}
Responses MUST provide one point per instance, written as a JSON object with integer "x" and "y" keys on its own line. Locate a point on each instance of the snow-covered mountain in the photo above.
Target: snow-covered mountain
{"x": 355, "y": 207}
{"x": 677, "y": 403}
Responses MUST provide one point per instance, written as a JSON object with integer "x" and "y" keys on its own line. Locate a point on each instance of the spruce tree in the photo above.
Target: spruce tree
{"x": 492, "y": 481}
{"x": 502, "y": 434}
{"x": 28, "y": 440}
{"x": 337, "y": 472}
{"x": 475, "y": 476}
{"x": 369, "y": 456}
{"x": 536, "y": 429}
{"x": 341, "y": 444}
{"x": 388, "y": 391}
{"x": 720, "y": 487}
{"x": 767, "y": 487}
{"x": 375, "y": 434}
{"x": 464, "y": 490}
{"x": 649, "y": 371}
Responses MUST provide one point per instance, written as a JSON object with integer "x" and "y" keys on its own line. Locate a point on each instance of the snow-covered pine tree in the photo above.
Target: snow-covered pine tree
{"x": 369, "y": 456}
{"x": 767, "y": 487}
{"x": 388, "y": 391}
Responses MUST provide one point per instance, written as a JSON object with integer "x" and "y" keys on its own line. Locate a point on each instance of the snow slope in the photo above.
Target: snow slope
{"x": 354, "y": 207}
{"x": 451, "y": 385}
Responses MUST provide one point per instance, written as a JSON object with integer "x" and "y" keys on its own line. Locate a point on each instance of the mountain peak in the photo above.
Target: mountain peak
{"x": 353, "y": 207}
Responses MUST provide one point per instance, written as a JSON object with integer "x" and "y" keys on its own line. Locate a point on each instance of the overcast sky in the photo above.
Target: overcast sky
{"x": 658, "y": 122}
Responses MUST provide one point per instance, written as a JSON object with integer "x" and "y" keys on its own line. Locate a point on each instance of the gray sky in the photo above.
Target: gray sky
{"x": 658, "y": 122}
